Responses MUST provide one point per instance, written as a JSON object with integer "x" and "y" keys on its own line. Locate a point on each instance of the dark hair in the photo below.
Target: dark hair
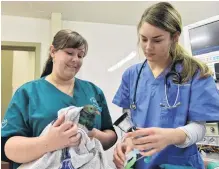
{"x": 64, "y": 39}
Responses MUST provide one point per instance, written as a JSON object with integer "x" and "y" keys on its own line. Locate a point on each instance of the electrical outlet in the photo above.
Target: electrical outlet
{"x": 212, "y": 140}
{"x": 212, "y": 129}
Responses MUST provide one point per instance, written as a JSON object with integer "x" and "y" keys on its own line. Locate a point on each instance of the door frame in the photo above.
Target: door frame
{"x": 25, "y": 46}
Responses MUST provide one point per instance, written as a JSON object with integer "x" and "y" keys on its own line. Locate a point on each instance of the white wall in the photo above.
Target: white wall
{"x": 23, "y": 29}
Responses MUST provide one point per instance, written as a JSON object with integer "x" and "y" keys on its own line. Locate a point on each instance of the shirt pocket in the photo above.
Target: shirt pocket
{"x": 174, "y": 105}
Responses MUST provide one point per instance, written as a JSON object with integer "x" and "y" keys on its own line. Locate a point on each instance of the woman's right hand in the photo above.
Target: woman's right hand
{"x": 62, "y": 134}
{"x": 120, "y": 151}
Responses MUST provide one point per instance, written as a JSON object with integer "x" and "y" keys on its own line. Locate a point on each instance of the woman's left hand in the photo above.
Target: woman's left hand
{"x": 152, "y": 140}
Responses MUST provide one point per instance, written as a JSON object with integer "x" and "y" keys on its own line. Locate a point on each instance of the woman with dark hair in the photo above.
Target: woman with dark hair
{"x": 36, "y": 103}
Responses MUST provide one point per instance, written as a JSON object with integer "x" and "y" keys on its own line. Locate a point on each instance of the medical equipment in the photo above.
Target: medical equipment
{"x": 201, "y": 40}
{"x": 125, "y": 123}
{"x": 176, "y": 79}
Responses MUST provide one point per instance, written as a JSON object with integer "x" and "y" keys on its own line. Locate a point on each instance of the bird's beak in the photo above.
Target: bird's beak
{"x": 97, "y": 112}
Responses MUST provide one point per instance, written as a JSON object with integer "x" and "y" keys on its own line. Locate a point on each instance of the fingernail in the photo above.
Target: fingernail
{"x": 54, "y": 121}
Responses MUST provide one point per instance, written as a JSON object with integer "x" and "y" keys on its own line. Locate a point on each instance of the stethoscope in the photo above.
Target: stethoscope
{"x": 176, "y": 79}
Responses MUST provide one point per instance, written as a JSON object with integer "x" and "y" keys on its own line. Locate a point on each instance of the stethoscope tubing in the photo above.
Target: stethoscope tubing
{"x": 172, "y": 72}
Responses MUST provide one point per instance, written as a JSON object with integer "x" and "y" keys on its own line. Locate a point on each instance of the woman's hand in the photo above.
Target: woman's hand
{"x": 120, "y": 151}
{"x": 62, "y": 134}
{"x": 152, "y": 140}
{"x": 106, "y": 137}
{"x": 93, "y": 133}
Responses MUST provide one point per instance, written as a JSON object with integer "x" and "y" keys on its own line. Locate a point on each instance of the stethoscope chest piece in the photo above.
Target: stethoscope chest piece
{"x": 133, "y": 106}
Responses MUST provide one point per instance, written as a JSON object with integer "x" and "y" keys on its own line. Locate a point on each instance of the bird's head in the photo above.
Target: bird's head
{"x": 91, "y": 109}
{"x": 88, "y": 115}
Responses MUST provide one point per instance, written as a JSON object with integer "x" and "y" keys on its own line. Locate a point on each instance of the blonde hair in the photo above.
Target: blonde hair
{"x": 164, "y": 16}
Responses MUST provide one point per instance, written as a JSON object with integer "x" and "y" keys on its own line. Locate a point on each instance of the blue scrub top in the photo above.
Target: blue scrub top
{"x": 36, "y": 103}
{"x": 199, "y": 102}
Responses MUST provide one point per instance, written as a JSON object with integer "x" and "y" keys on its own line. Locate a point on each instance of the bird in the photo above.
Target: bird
{"x": 86, "y": 119}
{"x": 88, "y": 115}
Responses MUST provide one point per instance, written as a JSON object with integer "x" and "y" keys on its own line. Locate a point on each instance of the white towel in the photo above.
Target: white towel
{"x": 88, "y": 155}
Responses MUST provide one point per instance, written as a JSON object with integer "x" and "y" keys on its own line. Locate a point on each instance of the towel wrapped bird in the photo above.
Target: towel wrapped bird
{"x": 88, "y": 155}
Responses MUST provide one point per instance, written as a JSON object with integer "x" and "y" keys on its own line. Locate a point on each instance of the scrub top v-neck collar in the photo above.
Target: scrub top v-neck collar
{"x": 152, "y": 80}
{"x": 63, "y": 95}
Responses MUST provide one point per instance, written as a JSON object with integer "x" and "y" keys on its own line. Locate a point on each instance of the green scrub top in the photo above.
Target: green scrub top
{"x": 36, "y": 103}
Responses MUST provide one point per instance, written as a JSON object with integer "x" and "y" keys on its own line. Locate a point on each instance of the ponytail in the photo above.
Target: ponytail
{"x": 190, "y": 64}
{"x": 48, "y": 67}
